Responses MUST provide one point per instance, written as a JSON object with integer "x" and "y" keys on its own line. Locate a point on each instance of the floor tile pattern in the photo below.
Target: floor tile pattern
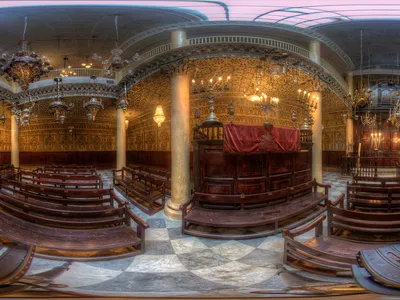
{"x": 174, "y": 263}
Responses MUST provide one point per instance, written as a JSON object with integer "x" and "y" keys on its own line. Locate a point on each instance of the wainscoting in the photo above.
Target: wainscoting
{"x": 331, "y": 160}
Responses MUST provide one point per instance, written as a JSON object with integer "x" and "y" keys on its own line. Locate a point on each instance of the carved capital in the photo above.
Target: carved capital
{"x": 180, "y": 66}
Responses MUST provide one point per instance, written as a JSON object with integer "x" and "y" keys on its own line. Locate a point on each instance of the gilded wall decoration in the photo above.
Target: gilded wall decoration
{"x": 48, "y": 136}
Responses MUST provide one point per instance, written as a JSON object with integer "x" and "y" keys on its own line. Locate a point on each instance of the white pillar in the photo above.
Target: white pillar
{"x": 315, "y": 51}
{"x": 180, "y": 142}
{"x": 349, "y": 134}
{"x": 178, "y": 39}
{"x": 317, "y": 139}
{"x": 350, "y": 83}
{"x": 14, "y": 142}
{"x": 121, "y": 139}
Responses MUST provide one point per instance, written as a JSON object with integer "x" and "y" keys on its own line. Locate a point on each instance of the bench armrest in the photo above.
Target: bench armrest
{"x": 187, "y": 203}
{"x": 314, "y": 224}
{"x": 325, "y": 186}
{"x": 135, "y": 218}
{"x": 339, "y": 200}
{"x": 118, "y": 199}
{"x": 116, "y": 171}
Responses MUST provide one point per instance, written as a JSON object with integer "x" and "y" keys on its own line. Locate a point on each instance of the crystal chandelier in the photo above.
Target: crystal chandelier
{"x": 92, "y": 107}
{"x": 24, "y": 66}
{"x": 58, "y": 106}
{"x": 214, "y": 87}
{"x": 3, "y": 117}
{"x": 23, "y": 115}
{"x": 159, "y": 116}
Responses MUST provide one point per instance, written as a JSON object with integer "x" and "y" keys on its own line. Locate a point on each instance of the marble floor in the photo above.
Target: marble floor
{"x": 177, "y": 264}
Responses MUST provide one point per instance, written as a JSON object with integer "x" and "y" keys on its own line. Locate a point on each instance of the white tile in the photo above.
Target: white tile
{"x": 272, "y": 243}
{"x": 232, "y": 250}
{"x": 236, "y": 274}
{"x": 187, "y": 245}
{"x": 157, "y": 234}
{"x": 80, "y": 274}
{"x": 156, "y": 264}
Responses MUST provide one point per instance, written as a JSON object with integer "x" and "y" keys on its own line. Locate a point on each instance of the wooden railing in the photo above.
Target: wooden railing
{"x": 368, "y": 166}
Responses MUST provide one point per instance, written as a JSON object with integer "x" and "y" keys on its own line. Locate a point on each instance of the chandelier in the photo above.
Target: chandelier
{"x": 24, "y": 66}
{"x": 309, "y": 105}
{"x": 92, "y": 107}
{"x": 58, "y": 106}
{"x": 214, "y": 87}
{"x": 3, "y": 117}
{"x": 23, "y": 115}
{"x": 115, "y": 63}
{"x": 394, "y": 115}
{"x": 361, "y": 97}
{"x": 159, "y": 116}
{"x": 67, "y": 70}
{"x": 368, "y": 120}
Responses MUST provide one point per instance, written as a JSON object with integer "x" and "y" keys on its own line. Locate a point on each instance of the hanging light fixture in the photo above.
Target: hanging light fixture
{"x": 24, "y": 66}
{"x": 3, "y": 117}
{"x": 123, "y": 102}
{"x": 92, "y": 107}
{"x": 58, "y": 106}
{"x": 159, "y": 116}
{"x": 23, "y": 115}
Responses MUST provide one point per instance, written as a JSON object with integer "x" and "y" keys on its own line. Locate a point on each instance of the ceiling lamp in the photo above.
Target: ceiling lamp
{"x": 116, "y": 62}
{"x": 3, "y": 117}
{"x": 58, "y": 107}
{"x": 159, "y": 116}
{"x": 92, "y": 107}
{"x": 24, "y": 66}
{"x": 123, "y": 102}
{"x": 23, "y": 115}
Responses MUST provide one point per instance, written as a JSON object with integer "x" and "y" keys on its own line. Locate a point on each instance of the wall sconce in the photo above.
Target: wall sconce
{"x": 126, "y": 124}
{"x": 159, "y": 116}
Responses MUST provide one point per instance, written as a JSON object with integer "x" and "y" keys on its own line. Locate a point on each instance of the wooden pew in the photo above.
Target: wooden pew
{"x": 348, "y": 233}
{"x": 376, "y": 181}
{"x": 69, "y": 233}
{"x": 81, "y": 171}
{"x": 62, "y": 180}
{"x": 289, "y": 207}
{"x": 163, "y": 175}
{"x": 379, "y": 270}
{"x": 373, "y": 197}
{"x": 146, "y": 192}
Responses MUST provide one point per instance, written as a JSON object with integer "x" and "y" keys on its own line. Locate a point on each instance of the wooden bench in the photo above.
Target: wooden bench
{"x": 59, "y": 195}
{"x": 348, "y": 233}
{"x": 146, "y": 192}
{"x": 376, "y": 181}
{"x": 81, "y": 171}
{"x": 14, "y": 261}
{"x": 69, "y": 233}
{"x": 159, "y": 174}
{"x": 379, "y": 270}
{"x": 259, "y": 214}
{"x": 363, "y": 197}
{"x": 68, "y": 167}
{"x": 62, "y": 180}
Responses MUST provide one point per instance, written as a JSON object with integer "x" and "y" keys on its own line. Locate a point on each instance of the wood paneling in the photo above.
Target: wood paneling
{"x": 332, "y": 159}
{"x": 96, "y": 158}
{"x": 5, "y": 158}
{"x": 217, "y": 172}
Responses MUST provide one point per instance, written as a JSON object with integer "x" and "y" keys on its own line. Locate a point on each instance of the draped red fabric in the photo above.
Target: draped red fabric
{"x": 250, "y": 138}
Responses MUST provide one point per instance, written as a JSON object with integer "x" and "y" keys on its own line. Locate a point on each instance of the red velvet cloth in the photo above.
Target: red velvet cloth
{"x": 250, "y": 138}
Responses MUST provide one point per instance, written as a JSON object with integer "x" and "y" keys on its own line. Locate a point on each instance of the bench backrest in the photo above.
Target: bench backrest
{"x": 67, "y": 167}
{"x": 362, "y": 222}
{"x": 76, "y": 177}
{"x": 377, "y": 180}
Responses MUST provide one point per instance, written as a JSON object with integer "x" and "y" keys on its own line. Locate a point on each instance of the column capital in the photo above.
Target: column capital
{"x": 180, "y": 66}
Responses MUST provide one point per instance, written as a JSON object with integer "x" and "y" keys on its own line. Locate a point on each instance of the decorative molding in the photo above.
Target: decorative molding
{"x": 233, "y": 50}
{"x": 180, "y": 66}
{"x": 188, "y": 25}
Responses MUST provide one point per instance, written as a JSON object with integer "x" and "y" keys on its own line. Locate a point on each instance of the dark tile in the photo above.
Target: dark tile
{"x": 262, "y": 258}
{"x": 273, "y": 283}
{"x": 211, "y": 242}
{"x": 115, "y": 264}
{"x": 176, "y": 233}
{"x": 202, "y": 259}
{"x": 159, "y": 248}
{"x": 157, "y": 282}
{"x": 253, "y": 242}
{"x": 156, "y": 223}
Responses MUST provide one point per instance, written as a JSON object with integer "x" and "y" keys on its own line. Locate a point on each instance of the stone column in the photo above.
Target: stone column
{"x": 350, "y": 83}
{"x": 14, "y": 141}
{"x": 315, "y": 56}
{"x": 121, "y": 139}
{"x": 180, "y": 140}
{"x": 317, "y": 139}
{"x": 349, "y": 134}
{"x": 178, "y": 39}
